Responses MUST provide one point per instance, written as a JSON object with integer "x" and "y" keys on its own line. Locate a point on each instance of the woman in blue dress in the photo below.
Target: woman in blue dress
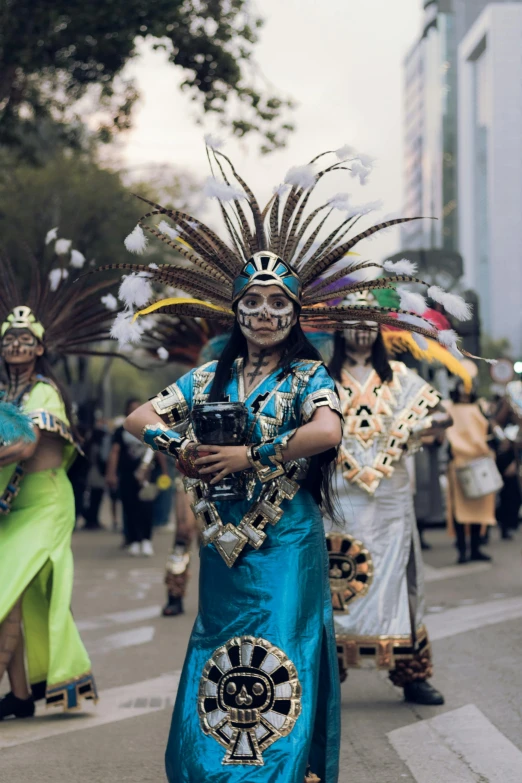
{"x": 258, "y": 699}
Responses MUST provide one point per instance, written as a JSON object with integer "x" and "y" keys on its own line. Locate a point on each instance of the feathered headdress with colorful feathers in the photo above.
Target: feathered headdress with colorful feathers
{"x": 304, "y": 251}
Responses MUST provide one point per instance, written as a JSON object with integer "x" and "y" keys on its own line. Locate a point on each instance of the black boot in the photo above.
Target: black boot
{"x": 173, "y": 607}
{"x": 478, "y": 555}
{"x": 38, "y": 689}
{"x": 476, "y": 543}
{"x": 12, "y": 707}
{"x": 421, "y": 692}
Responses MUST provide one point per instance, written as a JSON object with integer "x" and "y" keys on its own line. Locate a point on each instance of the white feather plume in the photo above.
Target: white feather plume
{"x": 135, "y": 289}
{"x": 414, "y": 320}
{"x": 165, "y": 228}
{"x": 77, "y": 259}
{"x": 340, "y": 201}
{"x": 301, "y": 176}
{"x": 358, "y": 170}
{"x": 281, "y": 189}
{"x": 162, "y": 353}
{"x": 448, "y": 338}
{"x": 110, "y": 301}
{"x": 402, "y": 267}
{"x": 125, "y": 330}
{"x": 414, "y": 302}
{"x": 346, "y": 151}
{"x": 136, "y": 241}
{"x": 420, "y": 340}
{"x": 62, "y": 246}
{"x": 153, "y": 266}
{"x": 214, "y": 142}
{"x": 364, "y": 209}
{"x": 366, "y": 160}
{"x": 214, "y": 188}
{"x": 452, "y": 303}
{"x": 56, "y": 276}
{"x": 51, "y": 235}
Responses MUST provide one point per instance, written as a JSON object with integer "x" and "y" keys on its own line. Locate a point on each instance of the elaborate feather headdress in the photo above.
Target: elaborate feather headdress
{"x": 68, "y": 317}
{"x": 283, "y": 243}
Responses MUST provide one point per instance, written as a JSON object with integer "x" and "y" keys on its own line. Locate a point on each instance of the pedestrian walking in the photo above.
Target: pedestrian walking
{"x": 470, "y": 469}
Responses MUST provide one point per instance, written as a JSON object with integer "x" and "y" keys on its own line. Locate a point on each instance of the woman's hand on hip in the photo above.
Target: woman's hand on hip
{"x": 221, "y": 460}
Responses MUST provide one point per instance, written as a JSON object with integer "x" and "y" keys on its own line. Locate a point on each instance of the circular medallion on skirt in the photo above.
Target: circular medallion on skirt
{"x": 350, "y": 569}
{"x": 249, "y": 697}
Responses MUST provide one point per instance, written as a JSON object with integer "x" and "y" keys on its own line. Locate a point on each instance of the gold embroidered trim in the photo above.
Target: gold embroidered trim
{"x": 382, "y": 652}
{"x": 319, "y": 399}
{"x": 69, "y": 694}
{"x": 12, "y": 489}
{"x": 171, "y": 404}
{"x": 48, "y": 422}
{"x": 368, "y": 477}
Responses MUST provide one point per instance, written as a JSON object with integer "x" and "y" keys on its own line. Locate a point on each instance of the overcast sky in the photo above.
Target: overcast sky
{"x": 340, "y": 60}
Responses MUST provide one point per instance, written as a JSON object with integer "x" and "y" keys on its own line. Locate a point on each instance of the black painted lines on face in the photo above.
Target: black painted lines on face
{"x": 265, "y": 316}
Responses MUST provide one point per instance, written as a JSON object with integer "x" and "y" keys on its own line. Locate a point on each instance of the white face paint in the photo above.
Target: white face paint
{"x": 20, "y": 346}
{"x": 265, "y": 315}
{"x": 362, "y": 337}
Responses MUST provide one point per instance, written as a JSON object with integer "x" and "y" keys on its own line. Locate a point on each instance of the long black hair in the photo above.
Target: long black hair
{"x": 44, "y": 367}
{"x": 297, "y": 346}
{"x": 379, "y": 357}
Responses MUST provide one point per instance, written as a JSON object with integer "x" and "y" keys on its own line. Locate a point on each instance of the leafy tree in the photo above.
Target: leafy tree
{"x": 52, "y": 54}
{"x": 90, "y": 205}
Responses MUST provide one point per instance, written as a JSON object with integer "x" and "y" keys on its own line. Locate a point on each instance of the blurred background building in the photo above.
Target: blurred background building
{"x": 462, "y": 111}
{"x": 490, "y": 166}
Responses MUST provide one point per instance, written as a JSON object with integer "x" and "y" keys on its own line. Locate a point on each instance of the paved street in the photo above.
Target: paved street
{"x": 475, "y": 621}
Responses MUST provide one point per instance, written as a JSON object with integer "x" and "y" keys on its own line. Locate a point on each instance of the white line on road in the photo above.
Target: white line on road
{"x": 117, "y": 641}
{"x": 119, "y": 618}
{"x": 460, "y": 746}
{"x": 127, "y": 701}
{"x": 432, "y": 574}
{"x": 468, "y": 618}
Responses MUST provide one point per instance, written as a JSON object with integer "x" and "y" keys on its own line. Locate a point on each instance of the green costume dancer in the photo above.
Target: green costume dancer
{"x": 37, "y": 510}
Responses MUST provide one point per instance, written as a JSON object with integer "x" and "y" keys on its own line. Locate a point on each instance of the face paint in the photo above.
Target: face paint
{"x": 19, "y": 346}
{"x": 265, "y": 317}
{"x": 361, "y": 338}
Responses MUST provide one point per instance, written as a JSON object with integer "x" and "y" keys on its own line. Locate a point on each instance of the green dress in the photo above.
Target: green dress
{"x": 36, "y": 561}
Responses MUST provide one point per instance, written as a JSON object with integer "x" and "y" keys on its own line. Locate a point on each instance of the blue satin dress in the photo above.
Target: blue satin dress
{"x": 258, "y": 699}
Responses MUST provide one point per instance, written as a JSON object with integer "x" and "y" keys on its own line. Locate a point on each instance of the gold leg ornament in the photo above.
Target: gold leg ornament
{"x": 177, "y": 572}
{"x": 418, "y": 669}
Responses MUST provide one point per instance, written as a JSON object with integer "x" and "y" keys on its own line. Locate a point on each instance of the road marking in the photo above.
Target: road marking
{"x": 116, "y": 704}
{"x": 432, "y": 574}
{"x": 118, "y": 641}
{"x": 460, "y": 746}
{"x": 119, "y": 618}
{"x": 461, "y": 619}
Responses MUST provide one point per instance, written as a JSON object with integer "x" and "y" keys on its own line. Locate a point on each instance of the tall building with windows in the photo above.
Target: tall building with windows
{"x": 446, "y": 109}
{"x": 430, "y": 124}
{"x": 490, "y": 167}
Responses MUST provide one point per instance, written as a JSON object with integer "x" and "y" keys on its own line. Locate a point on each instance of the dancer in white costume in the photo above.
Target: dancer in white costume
{"x": 376, "y": 570}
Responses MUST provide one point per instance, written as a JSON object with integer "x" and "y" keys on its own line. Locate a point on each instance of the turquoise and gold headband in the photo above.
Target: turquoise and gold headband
{"x": 22, "y": 317}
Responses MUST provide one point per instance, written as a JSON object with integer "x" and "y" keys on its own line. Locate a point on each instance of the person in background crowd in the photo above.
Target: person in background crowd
{"x": 126, "y": 473}
{"x": 507, "y": 416}
{"x": 468, "y": 439}
{"x": 376, "y": 569}
{"x": 177, "y": 569}
{"x": 95, "y": 450}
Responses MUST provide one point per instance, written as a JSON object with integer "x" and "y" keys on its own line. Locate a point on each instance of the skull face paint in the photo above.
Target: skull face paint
{"x": 362, "y": 337}
{"x": 265, "y": 316}
{"x": 20, "y": 346}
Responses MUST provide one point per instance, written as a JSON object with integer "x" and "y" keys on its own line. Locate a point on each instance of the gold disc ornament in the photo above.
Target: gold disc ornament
{"x": 350, "y": 569}
{"x": 249, "y": 697}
